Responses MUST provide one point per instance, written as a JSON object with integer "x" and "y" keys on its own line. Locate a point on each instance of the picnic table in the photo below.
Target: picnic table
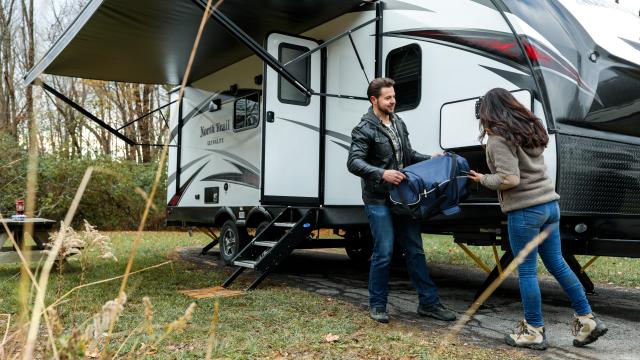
{"x": 16, "y": 226}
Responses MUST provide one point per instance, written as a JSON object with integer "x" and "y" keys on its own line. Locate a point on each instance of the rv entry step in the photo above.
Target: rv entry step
{"x": 269, "y": 247}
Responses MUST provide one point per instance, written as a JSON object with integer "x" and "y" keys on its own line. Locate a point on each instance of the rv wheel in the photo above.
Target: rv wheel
{"x": 274, "y": 233}
{"x": 359, "y": 245}
{"x": 232, "y": 240}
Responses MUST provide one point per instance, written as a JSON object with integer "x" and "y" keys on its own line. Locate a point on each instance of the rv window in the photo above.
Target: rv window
{"x": 300, "y": 69}
{"x": 404, "y": 65}
{"x": 246, "y": 112}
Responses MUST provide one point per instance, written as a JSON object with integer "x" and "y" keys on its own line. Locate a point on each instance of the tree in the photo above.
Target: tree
{"x": 63, "y": 130}
{"x": 8, "y": 101}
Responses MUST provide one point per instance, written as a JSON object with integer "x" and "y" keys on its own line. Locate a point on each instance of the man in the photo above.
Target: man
{"x": 380, "y": 147}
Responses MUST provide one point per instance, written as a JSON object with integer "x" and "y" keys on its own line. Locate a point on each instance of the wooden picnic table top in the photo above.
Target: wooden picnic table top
{"x": 14, "y": 221}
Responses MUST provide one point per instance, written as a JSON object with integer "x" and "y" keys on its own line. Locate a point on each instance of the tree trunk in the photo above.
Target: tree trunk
{"x": 144, "y": 125}
{"x": 8, "y": 114}
{"x": 27, "y": 14}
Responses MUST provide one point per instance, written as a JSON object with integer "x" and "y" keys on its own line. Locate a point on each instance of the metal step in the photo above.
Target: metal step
{"x": 265, "y": 243}
{"x": 245, "y": 263}
{"x": 285, "y": 224}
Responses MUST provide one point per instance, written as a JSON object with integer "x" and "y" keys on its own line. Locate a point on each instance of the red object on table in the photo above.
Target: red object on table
{"x": 20, "y": 207}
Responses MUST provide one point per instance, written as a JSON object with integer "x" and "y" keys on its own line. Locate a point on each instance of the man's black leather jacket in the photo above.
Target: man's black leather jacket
{"x": 371, "y": 153}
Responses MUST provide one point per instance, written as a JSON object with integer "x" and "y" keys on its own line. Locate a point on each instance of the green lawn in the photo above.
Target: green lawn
{"x": 272, "y": 322}
{"x": 605, "y": 270}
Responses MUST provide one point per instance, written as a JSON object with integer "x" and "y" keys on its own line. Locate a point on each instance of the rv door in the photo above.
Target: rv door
{"x": 291, "y": 156}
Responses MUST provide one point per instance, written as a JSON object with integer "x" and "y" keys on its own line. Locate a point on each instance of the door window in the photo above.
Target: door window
{"x": 300, "y": 69}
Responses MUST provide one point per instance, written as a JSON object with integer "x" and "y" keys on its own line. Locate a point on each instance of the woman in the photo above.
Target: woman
{"x": 514, "y": 155}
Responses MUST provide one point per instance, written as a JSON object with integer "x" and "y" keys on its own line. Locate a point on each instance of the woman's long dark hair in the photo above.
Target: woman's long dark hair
{"x": 501, "y": 114}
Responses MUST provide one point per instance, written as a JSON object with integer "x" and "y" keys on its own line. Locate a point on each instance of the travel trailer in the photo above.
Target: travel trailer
{"x": 259, "y": 141}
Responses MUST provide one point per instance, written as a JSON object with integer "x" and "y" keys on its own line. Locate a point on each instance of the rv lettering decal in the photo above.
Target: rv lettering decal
{"x": 215, "y": 141}
{"x": 213, "y": 129}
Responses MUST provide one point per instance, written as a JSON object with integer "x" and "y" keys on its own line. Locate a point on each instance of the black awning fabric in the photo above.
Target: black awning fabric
{"x": 149, "y": 41}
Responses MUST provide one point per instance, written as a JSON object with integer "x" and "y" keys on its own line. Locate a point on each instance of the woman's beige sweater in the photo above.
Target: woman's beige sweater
{"x": 519, "y": 175}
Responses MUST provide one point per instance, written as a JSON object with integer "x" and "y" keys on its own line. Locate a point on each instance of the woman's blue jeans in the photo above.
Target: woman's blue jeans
{"x": 524, "y": 225}
{"x": 386, "y": 227}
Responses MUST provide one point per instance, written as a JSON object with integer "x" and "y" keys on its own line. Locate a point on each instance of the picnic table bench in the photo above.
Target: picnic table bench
{"x": 16, "y": 226}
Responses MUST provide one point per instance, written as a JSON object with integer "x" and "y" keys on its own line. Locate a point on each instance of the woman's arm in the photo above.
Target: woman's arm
{"x": 505, "y": 160}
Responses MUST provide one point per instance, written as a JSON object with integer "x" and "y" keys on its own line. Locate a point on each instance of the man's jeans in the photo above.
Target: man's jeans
{"x": 384, "y": 226}
{"x": 524, "y": 225}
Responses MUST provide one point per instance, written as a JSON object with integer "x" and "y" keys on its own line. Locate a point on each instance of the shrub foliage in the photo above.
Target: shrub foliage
{"x": 113, "y": 199}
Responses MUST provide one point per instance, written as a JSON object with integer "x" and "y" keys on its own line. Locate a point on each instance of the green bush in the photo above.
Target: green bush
{"x": 13, "y": 168}
{"x": 110, "y": 201}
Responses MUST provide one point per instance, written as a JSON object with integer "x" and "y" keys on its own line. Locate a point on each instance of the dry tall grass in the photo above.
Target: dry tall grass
{"x": 93, "y": 339}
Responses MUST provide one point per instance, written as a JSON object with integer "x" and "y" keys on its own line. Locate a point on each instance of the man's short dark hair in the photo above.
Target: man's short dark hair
{"x": 376, "y": 85}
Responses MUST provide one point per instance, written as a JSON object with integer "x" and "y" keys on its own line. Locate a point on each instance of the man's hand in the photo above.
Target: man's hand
{"x": 477, "y": 177}
{"x": 437, "y": 153}
{"x": 394, "y": 177}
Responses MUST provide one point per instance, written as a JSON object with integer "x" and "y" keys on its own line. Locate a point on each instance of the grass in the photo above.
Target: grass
{"x": 605, "y": 270}
{"x": 272, "y": 322}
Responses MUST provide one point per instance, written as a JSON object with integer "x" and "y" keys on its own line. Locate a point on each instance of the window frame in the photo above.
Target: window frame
{"x": 304, "y": 49}
{"x": 245, "y": 98}
{"x": 416, "y": 103}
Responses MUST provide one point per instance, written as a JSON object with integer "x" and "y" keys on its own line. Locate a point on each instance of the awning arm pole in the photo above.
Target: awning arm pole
{"x": 145, "y": 115}
{"x": 332, "y": 40}
{"x": 258, "y": 50}
{"x": 83, "y": 111}
{"x": 158, "y": 145}
{"x": 339, "y": 96}
{"x": 355, "y": 49}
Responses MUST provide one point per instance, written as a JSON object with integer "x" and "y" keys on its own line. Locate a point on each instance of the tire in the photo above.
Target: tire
{"x": 359, "y": 246}
{"x": 232, "y": 240}
{"x": 274, "y": 233}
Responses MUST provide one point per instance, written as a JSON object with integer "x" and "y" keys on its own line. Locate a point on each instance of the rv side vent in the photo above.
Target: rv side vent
{"x": 212, "y": 195}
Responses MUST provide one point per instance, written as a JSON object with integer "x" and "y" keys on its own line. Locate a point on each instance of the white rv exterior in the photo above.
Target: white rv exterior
{"x": 247, "y": 143}
{"x": 298, "y": 149}
{"x": 286, "y": 154}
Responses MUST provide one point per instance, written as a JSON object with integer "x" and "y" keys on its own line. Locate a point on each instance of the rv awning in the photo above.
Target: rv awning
{"x": 149, "y": 41}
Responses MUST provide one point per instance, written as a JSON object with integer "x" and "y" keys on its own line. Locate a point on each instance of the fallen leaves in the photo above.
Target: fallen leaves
{"x": 330, "y": 338}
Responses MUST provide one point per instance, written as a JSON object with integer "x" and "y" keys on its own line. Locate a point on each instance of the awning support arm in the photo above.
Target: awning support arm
{"x": 258, "y": 50}
{"x": 332, "y": 40}
{"x": 145, "y": 115}
{"x": 339, "y": 96}
{"x": 355, "y": 49}
{"x": 83, "y": 111}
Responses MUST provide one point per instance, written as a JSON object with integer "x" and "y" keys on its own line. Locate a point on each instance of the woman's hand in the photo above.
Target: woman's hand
{"x": 477, "y": 177}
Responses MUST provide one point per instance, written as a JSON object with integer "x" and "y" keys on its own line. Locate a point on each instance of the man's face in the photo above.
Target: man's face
{"x": 386, "y": 102}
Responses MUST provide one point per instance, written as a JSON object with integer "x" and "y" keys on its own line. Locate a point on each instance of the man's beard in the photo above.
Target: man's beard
{"x": 385, "y": 111}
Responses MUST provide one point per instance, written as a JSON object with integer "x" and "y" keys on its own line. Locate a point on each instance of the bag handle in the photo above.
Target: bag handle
{"x": 453, "y": 176}
{"x": 403, "y": 202}
{"x": 405, "y": 172}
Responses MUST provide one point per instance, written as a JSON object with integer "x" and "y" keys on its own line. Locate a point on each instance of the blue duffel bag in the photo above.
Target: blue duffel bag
{"x": 432, "y": 187}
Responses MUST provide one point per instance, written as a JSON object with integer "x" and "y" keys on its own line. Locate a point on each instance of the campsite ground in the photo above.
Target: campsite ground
{"x": 313, "y": 307}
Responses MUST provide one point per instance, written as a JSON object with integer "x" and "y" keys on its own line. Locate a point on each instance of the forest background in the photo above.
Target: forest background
{"x": 65, "y": 141}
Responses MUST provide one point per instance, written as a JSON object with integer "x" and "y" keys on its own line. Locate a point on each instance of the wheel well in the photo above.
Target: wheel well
{"x": 256, "y": 216}
{"x": 221, "y": 218}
